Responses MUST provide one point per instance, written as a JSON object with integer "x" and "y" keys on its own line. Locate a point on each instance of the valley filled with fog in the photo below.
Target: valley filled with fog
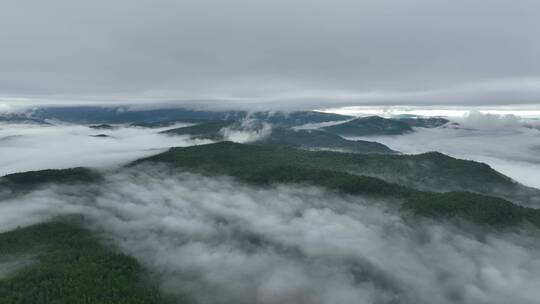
{"x": 269, "y": 152}
{"x": 28, "y": 147}
{"x": 508, "y": 143}
{"x": 217, "y": 240}
{"x": 276, "y": 208}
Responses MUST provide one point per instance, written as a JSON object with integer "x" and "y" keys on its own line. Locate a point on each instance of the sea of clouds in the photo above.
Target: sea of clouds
{"x": 215, "y": 240}
{"x": 25, "y": 147}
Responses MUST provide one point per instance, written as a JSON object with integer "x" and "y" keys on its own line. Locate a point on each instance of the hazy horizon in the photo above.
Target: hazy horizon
{"x": 309, "y": 53}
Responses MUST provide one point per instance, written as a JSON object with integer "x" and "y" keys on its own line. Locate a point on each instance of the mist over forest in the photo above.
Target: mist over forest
{"x": 267, "y": 207}
{"x": 269, "y": 152}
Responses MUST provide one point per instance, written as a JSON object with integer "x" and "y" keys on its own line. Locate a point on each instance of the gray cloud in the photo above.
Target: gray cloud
{"x": 220, "y": 241}
{"x": 311, "y": 52}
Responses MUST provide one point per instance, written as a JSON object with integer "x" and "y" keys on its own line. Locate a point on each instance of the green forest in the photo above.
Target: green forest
{"x": 70, "y": 265}
{"x": 265, "y": 165}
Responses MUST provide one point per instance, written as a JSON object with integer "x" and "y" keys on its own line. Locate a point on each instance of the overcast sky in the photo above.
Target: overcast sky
{"x": 461, "y": 52}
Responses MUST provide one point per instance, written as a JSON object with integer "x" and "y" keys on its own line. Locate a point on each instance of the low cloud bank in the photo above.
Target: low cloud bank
{"x": 217, "y": 241}
{"x": 26, "y": 147}
{"x": 486, "y": 121}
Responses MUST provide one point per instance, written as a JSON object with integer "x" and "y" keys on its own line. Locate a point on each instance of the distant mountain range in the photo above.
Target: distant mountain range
{"x": 161, "y": 117}
{"x": 375, "y": 125}
{"x": 325, "y": 138}
{"x": 282, "y": 136}
{"x": 205, "y": 130}
{"x": 106, "y": 117}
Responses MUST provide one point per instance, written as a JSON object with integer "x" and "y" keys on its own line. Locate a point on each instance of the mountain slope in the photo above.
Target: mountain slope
{"x": 427, "y": 172}
{"x": 316, "y": 139}
{"x": 152, "y": 117}
{"x": 425, "y": 122}
{"x": 27, "y": 181}
{"x": 265, "y": 165}
{"x": 369, "y": 126}
{"x": 304, "y": 139}
{"x": 70, "y": 265}
{"x": 342, "y": 172}
{"x": 206, "y": 130}
{"x": 430, "y": 170}
{"x": 375, "y": 125}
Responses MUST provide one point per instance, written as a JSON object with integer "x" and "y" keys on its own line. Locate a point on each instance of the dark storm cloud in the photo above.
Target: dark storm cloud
{"x": 315, "y": 52}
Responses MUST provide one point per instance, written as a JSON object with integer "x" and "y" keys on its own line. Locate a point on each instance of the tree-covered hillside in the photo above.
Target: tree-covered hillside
{"x": 27, "y": 181}
{"x": 316, "y": 139}
{"x": 343, "y": 172}
{"x": 282, "y": 136}
{"x": 370, "y": 126}
{"x": 204, "y": 130}
{"x": 69, "y": 265}
{"x": 60, "y": 262}
{"x": 412, "y": 178}
{"x": 424, "y": 122}
{"x": 376, "y": 125}
{"x": 432, "y": 171}
{"x": 153, "y": 117}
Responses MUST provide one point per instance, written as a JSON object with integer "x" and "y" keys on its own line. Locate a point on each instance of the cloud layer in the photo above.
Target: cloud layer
{"x": 311, "y": 52}
{"x": 219, "y": 241}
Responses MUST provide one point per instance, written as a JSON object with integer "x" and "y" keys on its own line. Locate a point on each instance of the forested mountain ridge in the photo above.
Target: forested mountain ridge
{"x": 345, "y": 172}
{"x": 365, "y": 174}
{"x": 433, "y": 170}
{"x": 204, "y": 130}
{"x": 17, "y": 183}
{"x": 376, "y": 125}
{"x": 282, "y": 136}
{"x": 320, "y": 140}
{"x": 368, "y": 126}
{"x": 154, "y": 117}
